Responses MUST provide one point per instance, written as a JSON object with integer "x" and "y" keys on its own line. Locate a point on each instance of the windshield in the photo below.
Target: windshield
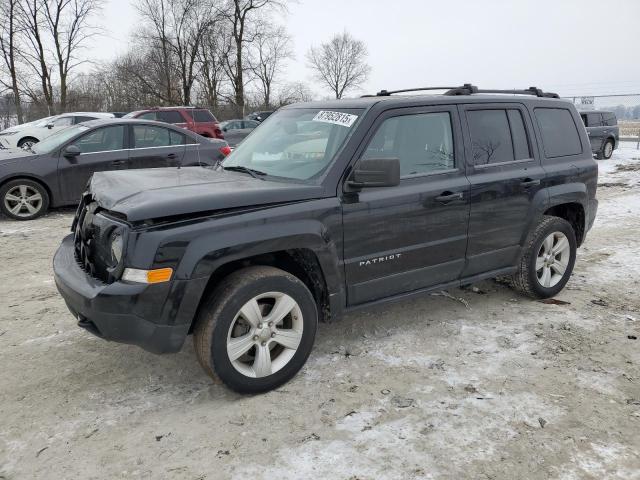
{"x": 56, "y": 140}
{"x": 297, "y": 143}
{"x": 43, "y": 121}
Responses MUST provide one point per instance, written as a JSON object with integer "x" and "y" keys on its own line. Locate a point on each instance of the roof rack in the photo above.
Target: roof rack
{"x": 468, "y": 89}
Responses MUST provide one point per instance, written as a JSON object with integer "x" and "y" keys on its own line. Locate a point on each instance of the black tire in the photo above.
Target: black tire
{"x": 607, "y": 149}
{"x": 526, "y": 280}
{"x": 219, "y": 310}
{"x": 27, "y": 140}
{"x": 24, "y": 213}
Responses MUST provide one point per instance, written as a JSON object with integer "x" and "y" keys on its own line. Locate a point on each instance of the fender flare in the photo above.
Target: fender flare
{"x": 209, "y": 252}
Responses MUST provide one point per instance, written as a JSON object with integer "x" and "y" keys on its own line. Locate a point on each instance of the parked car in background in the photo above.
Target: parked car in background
{"x": 604, "y": 133}
{"x": 55, "y": 171}
{"x": 28, "y": 134}
{"x": 198, "y": 120}
{"x": 259, "y": 116}
{"x": 235, "y": 131}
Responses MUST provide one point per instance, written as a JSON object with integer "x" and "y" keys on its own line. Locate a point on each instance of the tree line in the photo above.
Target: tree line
{"x": 230, "y": 55}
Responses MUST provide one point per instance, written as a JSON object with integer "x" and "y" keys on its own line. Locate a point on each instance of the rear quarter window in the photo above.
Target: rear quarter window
{"x": 560, "y": 135}
{"x": 202, "y": 116}
{"x": 610, "y": 119}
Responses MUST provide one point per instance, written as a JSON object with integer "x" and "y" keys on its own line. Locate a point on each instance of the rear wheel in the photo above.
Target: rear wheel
{"x": 23, "y": 199}
{"x": 607, "y": 149}
{"x": 548, "y": 259}
{"x": 256, "y": 330}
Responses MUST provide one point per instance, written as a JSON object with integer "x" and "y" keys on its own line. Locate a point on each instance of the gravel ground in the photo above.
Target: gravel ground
{"x": 482, "y": 383}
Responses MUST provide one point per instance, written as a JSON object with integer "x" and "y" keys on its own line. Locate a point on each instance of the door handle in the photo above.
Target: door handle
{"x": 118, "y": 162}
{"x": 529, "y": 182}
{"x": 172, "y": 155}
{"x": 446, "y": 197}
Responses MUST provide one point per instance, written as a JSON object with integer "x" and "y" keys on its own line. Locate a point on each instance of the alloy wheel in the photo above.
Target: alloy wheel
{"x": 265, "y": 334}
{"x": 23, "y": 201}
{"x": 553, "y": 259}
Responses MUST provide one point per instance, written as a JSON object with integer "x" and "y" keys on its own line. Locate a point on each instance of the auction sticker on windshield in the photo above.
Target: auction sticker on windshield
{"x": 337, "y": 118}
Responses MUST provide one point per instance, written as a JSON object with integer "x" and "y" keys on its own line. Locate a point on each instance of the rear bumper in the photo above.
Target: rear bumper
{"x": 154, "y": 317}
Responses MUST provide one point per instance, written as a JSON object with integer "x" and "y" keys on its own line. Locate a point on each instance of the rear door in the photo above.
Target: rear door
{"x": 505, "y": 174}
{"x": 153, "y": 146}
{"x": 101, "y": 149}
{"x": 595, "y": 130}
{"x": 412, "y": 236}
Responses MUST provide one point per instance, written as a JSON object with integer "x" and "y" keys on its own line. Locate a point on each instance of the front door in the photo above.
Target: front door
{"x": 506, "y": 176}
{"x": 101, "y": 149}
{"x": 412, "y": 236}
{"x": 595, "y": 130}
{"x": 155, "y": 146}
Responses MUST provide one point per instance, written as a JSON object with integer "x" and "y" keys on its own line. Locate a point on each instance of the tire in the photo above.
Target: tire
{"x": 27, "y": 142}
{"x": 538, "y": 258}
{"x": 23, "y": 199}
{"x": 257, "y": 291}
{"x": 607, "y": 150}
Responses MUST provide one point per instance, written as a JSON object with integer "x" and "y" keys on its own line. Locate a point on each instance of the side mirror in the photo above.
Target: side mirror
{"x": 224, "y": 129}
{"x": 376, "y": 172}
{"x": 49, "y": 126}
{"x": 71, "y": 151}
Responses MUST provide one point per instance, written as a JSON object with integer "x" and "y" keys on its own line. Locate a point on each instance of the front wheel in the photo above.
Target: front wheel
{"x": 256, "y": 330}
{"x": 23, "y": 199}
{"x": 547, "y": 260}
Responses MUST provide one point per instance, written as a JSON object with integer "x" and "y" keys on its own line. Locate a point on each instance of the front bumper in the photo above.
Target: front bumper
{"x": 154, "y": 317}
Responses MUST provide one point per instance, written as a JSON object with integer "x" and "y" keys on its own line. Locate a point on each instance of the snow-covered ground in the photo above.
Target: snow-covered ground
{"x": 506, "y": 388}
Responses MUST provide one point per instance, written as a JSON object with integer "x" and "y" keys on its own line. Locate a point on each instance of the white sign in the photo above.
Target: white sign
{"x": 586, "y": 100}
{"x": 337, "y": 118}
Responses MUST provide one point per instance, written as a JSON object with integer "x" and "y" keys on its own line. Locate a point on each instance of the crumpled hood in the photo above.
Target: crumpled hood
{"x": 163, "y": 192}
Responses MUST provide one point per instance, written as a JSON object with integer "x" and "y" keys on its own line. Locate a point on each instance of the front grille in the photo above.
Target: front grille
{"x": 91, "y": 232}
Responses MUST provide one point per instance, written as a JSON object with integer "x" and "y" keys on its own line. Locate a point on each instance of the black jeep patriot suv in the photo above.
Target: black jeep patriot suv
{"x": 328, "y": 207}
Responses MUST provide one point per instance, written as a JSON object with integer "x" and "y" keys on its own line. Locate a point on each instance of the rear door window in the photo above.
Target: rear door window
{"x": 170, "y": 116}
{"x": 149, "y": 136}
{"x": 559, "y": 132}
{"x": 493, "y": 139}
{"x": 594, "y": 120}
{"x": 203, "y": 116}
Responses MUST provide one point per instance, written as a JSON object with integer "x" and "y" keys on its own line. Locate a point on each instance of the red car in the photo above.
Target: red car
{"x": 198, "y": 120}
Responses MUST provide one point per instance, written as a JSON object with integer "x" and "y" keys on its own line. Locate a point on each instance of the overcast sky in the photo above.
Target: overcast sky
{"x": 570, "y": 46}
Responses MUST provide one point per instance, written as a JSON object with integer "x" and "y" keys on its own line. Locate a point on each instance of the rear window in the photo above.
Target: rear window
{"x": 202, "y": 116}
{"x": 559, "y": 132}
{"x": 170, "y": 116}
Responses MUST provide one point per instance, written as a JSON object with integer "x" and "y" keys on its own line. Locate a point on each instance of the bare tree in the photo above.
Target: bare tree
{"x": 178, "y": 28}
{"x": 9, "y": 49}
{"x": 341, "y": 63}
{"x": 32, "y": 24}
{"x": 68, "y": 24}
{"x": 294, "y": 92}
{"x": 241, "y": 15}
{"x": 214, "y": 49}
{"x": 270, "y": 49}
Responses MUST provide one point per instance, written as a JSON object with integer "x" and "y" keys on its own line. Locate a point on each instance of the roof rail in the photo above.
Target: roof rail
{"x": 469, "y": 89}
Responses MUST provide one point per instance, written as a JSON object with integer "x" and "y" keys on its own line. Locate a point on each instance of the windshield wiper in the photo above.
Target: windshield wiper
{"x": 251, "y": 171}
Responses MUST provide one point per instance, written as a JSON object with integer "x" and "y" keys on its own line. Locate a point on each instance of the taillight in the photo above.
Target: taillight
{"x": 226, "y": 150}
